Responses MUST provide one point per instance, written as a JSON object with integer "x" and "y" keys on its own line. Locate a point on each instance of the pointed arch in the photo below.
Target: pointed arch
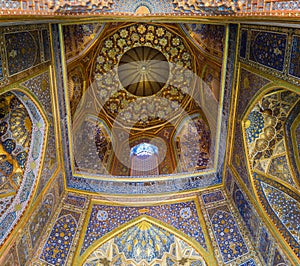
{"x": 144, "y": 223}
{"x": 263, "y": 127}
{"x": 24, "y": 131}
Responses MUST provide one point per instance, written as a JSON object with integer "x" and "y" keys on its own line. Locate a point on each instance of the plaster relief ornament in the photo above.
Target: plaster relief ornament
{"x": 85, "y": 5}
{"x": 206, "y": 6}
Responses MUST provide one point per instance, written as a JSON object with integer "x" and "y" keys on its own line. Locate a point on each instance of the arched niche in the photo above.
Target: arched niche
{"x": 23, "y": 131}
{"x": 95, "y": 155}
{"x": 192, "y": 143}
{"x": 144, "y": 242}
{"x": 274, "y": 183}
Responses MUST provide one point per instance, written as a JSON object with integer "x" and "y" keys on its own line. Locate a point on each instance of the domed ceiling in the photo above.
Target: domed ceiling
{"x": 144, "y": 83}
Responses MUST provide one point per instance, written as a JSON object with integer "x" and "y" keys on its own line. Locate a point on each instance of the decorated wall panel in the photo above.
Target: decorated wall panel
{"x": 274, "y": 50}
{"x": 28, "y": 240}
{"x": 227, "y": 234}
{"x": 22, "y": 139}
{"x": 263, "y": 130}
{"x": 40, "y": 86}
{"x": 249, "y": 84}
{"x": 104, "y": 219}
{"x": 25, "y": 49}
{"x": 79, "y": 37}
{"x": 58, "y": 245}
{"x": 258, "y": 231}
{"x": 145, "y": 243}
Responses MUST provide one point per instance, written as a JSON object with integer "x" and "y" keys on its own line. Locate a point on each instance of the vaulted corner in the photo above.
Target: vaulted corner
{"x": 149, "y": 133}
{"x": 23, "y": 134}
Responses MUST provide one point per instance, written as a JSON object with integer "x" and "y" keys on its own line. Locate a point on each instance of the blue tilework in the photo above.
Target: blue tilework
{"x": 264, "y": 245}
{"x": 41, "y": 218}
{"x": 268, "y": 49}
{"x": 294, "y": 67}
{"x": 285, "y": 214}
{"x": 75, "y": 200}
{"x": 250, "y": 262}
{"x": 243, "y": 43}
{"x": 213, "y": 197}
{"x": 57, "y": 247}
{"x": 22, "y": 51}
{"x": 182, "y": 216}
{"x": 227, "y": 234}
{"x": 245, "y": 210}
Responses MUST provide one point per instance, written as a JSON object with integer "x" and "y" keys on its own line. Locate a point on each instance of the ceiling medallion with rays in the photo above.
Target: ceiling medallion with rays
{"x": 141, "y": 60}
{"x": 143, "y": 71}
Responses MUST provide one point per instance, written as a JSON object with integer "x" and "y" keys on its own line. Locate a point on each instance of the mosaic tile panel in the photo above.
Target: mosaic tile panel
{"x": 268, "y": 49}
{"x": 227, "y": 234}
{"x": 246, "y": 211}
{"x": 285, "y": 212}
{"x": 76, "y": 201}
{"x": 264, "y": 245}
{"x": 243, "y": 43}
{"x": 41, "y": 218}
{"x": 165, "y": 186}
{"x": 30, "y": 163}
{"x": 182, "y": 216}
{"x": 294, "y": 67}
{"x": 22, "y": 50}
{"x": 57, "y": 247}
{"x": 213, "y": 197}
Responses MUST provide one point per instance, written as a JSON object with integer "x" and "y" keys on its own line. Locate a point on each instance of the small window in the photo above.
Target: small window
{"x": 144, "y": 160}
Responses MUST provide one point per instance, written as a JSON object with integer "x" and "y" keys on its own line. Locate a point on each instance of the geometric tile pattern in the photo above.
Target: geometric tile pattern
{"x": 104, "y": 218}
{"x": 57, "y": 247}
{"x": 249, "y": 84}
{"x": 227, "y": 234}
{"x": 286, "y": 208}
